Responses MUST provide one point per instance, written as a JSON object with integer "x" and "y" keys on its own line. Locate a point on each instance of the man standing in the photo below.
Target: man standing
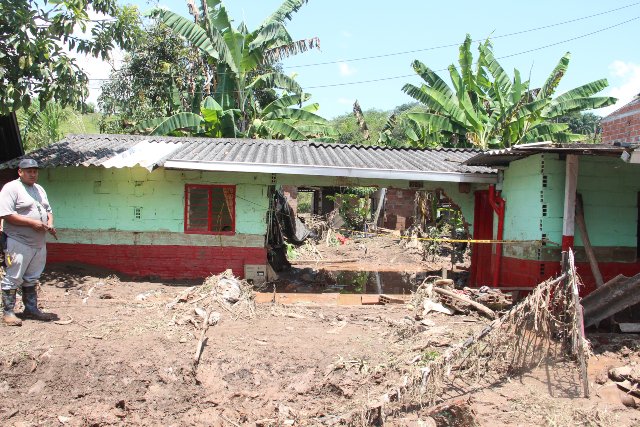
{"x": 27, "y": 218}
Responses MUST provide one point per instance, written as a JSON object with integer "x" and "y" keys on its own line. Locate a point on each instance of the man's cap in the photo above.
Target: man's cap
{"x": 27, "y": 163}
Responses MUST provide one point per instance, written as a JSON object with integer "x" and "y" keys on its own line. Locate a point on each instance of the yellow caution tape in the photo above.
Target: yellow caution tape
{"x": 448, "y": 240}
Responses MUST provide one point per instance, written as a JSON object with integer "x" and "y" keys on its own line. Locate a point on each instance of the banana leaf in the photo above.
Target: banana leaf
{"x": 276, "y": 127}
{"x": 177, "y": 121}
{"x": 286, "y": 101}
{"x": 554, "y": 78}
{"x": 195, "y": 34}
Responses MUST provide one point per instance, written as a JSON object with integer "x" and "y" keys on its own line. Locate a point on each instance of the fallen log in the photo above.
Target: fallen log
{"x": 463, "y": 299}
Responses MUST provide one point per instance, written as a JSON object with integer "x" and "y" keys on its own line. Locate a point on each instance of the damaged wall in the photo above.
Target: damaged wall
{"x": 132, "y": 220}
{"x": 534, "y": 190}
{"x": 463, "y": 196}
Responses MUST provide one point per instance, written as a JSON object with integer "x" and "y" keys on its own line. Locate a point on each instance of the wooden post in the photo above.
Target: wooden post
{"x": 591, "y": 256}
{"x": 570, "y": 185}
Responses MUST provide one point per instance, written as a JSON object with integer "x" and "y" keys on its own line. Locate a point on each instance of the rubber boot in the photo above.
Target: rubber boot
{"x": 31, "y": 310}
{"x": 8, "y": 303}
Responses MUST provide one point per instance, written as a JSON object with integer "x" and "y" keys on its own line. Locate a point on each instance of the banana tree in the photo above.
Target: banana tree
{"x": 488, "y": 109}
{"x": 243, "y": 59}
{"x": 278, "y": 120}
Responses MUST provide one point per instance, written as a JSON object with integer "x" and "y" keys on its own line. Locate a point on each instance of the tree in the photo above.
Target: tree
{"x": 349, "y": 131}
{"x": 155, "y": 79}
{"x": 42, "y": 126}
{"x": 487, "y": 109}
{"x": 35, "y": 40}
{"x": 586, "y": 124}
{"x": 243, "y": 61}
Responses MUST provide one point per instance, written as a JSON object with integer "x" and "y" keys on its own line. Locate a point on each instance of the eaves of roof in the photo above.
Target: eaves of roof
{"x": 266, "y": 156}
{"x": 502, "y": 157}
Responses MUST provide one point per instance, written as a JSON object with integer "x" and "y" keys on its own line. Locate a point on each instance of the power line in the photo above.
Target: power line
{"x": 453, "y": 44}
{"x": 445, "y": 69}
{"x": 501, "y": 57}
{"x": 457, "y": 44}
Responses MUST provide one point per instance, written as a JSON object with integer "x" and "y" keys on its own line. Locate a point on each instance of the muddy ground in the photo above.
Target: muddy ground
{"x": 120, "y": 356}
{"x": 369, "y": 263}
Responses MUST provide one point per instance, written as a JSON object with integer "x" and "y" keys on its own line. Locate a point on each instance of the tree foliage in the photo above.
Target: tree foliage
{"x": 486, "y": 108}
{"x": 586, "y": 124}
{"x": 154, "y": 79}
{"x": 245, "y": 84}
{"x": 42, "y": 126}
{"x": 36, "y": 38}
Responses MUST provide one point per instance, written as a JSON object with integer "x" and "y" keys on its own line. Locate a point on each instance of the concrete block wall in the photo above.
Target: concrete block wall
{"x": 623, "y": 125}
{"x": 132, "y": 221}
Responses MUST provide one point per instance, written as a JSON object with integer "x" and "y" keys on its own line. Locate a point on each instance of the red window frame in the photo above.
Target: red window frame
{"x": 209, "y": 230}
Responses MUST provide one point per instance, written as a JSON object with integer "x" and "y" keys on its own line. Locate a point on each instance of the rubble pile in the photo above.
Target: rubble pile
{"x": 623, "y": 386}
{"x": 493, "y": 298}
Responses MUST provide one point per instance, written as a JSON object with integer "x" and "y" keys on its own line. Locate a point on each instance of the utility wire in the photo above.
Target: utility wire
{"x": 457, "y": 44}
{"x": 445, "y": 69}
{"x": 501, "y": 57}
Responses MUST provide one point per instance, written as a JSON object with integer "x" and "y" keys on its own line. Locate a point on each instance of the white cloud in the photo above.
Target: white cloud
{"x": 625, "y": 84}
{"x": 346, "y": 34}
{"x": 346, "y": 69}
{"x": 345, "y": 101}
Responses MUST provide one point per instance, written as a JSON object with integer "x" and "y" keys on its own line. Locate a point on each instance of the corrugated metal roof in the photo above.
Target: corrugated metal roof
{"x": 234, "y": 154}
{"x": 502, "y": 157}
{"x": 323, "y": 154}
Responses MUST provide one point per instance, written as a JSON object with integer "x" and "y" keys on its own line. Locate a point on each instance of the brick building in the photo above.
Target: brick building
{"x": 623, "y": 125}
{"x": 399, "y": 208}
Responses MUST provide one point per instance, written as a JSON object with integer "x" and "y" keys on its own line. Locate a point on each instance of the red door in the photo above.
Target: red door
{"x": 481, "y": 253}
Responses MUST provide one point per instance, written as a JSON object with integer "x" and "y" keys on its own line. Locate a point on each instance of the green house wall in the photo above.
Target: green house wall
{"x": 534, "y": 190}
{"x": 101, "y": 199}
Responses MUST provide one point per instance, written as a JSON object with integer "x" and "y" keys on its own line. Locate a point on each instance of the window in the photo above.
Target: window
{"x": 209, "y": 209}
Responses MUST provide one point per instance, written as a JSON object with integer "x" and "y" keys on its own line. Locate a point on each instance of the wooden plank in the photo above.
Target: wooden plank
{"x": 630, "y": 328}
{"x": 582, "y": 226}
{"x": 322, "y": 261}
{"x": 292, "y": 298}
{"x": 349, "y": 299}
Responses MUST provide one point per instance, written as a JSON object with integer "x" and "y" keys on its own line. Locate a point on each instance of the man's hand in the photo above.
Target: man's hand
{"x": 39, "y": 226}
{"x": 52, "y": 231}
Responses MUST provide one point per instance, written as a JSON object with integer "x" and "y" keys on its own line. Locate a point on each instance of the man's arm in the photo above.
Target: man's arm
{"x": 50, "y": 228}
{"x": 21, "y": 220}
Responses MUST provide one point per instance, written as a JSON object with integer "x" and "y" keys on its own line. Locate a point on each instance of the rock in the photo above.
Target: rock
{"x": 427, "y": 322}
{"x": 427, "y": 422}
{"x": 214, "y": 318}
{"x": 429, "y": 306}
{"x": 620, "y": 373}
{"x": 230, "y": 290}
{"x": 601, "y": 378}
{"x": 611, "y": 394}
{"x": 628, "y": 400}
{"x": 37, "y": 387}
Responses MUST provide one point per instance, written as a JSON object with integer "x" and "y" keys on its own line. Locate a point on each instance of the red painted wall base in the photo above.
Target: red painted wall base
{"x": 164, "y": 262}
{"x": 524, "y": 273}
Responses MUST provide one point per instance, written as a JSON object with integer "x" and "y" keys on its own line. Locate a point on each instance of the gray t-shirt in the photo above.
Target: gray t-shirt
{"x": 30, "y": 201}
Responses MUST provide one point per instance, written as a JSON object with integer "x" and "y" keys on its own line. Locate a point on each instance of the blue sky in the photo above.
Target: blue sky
{"x": 353, "y": 29}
